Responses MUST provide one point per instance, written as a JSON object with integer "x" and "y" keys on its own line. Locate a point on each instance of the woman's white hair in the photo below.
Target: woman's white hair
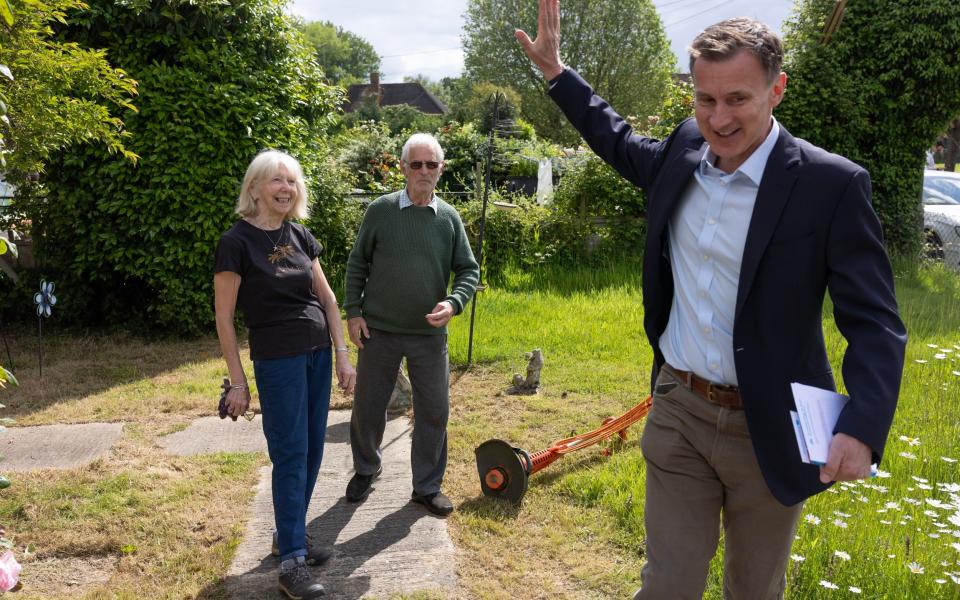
{"x": 264, "y": 166}
{"x": 421, "y": 139}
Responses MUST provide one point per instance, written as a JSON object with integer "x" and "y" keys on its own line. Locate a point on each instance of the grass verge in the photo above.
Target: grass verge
{"x": 579, "y": 532}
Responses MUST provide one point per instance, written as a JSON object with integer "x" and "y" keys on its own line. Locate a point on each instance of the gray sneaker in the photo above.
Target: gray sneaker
{"x": 296, "y": 581}
{"x": 316, "y": 555}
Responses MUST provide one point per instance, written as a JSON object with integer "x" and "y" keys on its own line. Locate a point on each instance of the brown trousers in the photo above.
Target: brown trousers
{"x": 701, "y": 472}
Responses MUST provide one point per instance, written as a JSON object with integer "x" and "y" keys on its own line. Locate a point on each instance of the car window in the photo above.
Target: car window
{"x": 941, "y": 190}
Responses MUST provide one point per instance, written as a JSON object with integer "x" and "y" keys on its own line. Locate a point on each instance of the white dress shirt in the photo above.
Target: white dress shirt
{"x": 707, "y": 232}
{"x": 405, "y": 201}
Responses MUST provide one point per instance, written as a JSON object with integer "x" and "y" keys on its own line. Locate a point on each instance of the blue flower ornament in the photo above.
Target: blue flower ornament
{"x": 44, "y": 299}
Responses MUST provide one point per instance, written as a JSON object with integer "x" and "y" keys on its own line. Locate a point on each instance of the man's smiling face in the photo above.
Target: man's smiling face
{"x": 733, "y": 102}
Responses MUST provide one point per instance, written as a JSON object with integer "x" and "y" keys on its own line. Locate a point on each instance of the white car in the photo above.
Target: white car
{"x": 941, "y": 216}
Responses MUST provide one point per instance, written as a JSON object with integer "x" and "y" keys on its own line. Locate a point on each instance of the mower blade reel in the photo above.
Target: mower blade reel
{"x": 503, "y": 473}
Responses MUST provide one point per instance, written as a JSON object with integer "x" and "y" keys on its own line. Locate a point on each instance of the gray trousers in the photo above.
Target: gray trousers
{"x": 428, "y": 368}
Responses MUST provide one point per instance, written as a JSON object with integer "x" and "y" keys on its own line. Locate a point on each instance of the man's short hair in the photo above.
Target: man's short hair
{"x": 723, "y": 40}
{"x": 421, "y": 139}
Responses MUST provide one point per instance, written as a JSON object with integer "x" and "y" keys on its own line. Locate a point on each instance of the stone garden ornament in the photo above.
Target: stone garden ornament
{"x": 531, "y": 383}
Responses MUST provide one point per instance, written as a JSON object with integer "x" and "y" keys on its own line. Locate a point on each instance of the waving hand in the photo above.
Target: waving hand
{"x": 545, "y": 50}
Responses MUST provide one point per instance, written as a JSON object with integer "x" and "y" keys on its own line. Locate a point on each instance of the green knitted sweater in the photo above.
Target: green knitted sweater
{"x": 401, "y": 262}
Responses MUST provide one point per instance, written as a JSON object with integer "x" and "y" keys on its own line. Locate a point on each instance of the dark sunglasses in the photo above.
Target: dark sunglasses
{"x": 416, "y": 165}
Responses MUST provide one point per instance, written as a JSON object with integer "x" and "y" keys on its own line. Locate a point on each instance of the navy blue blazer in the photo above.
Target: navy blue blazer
{"x": 813, "y": 229}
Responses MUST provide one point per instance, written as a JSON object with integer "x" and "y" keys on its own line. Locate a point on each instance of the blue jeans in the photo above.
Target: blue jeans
{"x": 294, "y": 399}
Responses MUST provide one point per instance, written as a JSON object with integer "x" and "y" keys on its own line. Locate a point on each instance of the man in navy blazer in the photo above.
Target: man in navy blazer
{"x": 748, "y": 227}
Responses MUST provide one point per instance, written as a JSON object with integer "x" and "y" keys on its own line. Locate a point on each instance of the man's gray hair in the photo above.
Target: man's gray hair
{"x": 421, "y": 139}
{"x": 723, "y": 40}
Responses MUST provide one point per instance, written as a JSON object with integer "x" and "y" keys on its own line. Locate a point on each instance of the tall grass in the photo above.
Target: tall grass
{"x": 579, "y": 533}
{"x": 895, "y": 536}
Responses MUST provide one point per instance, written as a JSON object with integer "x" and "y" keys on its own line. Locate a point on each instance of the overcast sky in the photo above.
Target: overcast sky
{"x": 423, "y": 36}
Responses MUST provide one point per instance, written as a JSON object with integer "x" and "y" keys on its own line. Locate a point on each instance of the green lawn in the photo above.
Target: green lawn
{"x": 578, "y": 534}
{"x": 896, "y": 536}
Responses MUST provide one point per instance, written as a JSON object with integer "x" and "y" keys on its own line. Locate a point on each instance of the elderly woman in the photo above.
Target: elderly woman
{"x": 267, "y": 265}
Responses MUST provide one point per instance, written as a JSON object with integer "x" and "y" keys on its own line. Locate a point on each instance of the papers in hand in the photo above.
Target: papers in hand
{"x": 813, "y": 421}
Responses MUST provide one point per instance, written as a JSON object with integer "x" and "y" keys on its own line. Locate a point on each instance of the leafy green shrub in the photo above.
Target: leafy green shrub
{"x": 399, "y": 119}
{"x": 480, "y": 104}
{"x": 878, "y": 92}
{"x": 591, "y": 189}
{"x": 371, "y": 156}
{"x": 533, "y": 235}
{"x": 403, "y": 120}
{"x": 595, "y": 214}
{"x": 218, "y": 81}
{"x": 464, "y": 148}
{"x": 57, "y": 93}
{"x": 525, "y": 236}
{"x": 334, "y": 221}
{"x": 519, "y": 157}
{"x": 677, "y": 107}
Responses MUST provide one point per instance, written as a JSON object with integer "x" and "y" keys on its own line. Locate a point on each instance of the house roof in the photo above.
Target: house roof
{"x": 392, "y": 94}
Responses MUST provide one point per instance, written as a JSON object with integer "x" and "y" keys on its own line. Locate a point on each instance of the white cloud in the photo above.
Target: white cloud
{"x": 411, "y": 36}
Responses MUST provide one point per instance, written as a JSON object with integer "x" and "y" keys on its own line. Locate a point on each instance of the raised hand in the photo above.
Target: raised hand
{"x": 545, "y": 50}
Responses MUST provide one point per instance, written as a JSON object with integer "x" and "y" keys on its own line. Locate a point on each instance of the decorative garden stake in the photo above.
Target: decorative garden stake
{"x": 483, "y": 223}
{"x": 44, "y": 299}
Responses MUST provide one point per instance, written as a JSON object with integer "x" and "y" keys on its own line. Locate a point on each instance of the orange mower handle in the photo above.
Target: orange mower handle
{"x": 505, "y": 470}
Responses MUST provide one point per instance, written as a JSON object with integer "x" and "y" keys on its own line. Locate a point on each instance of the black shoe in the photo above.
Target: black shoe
{"x": 316, "y": 555}
{"x": 296, "y": 581}
{"x": 436, "y": 503}
{"x": 360, "y": 485}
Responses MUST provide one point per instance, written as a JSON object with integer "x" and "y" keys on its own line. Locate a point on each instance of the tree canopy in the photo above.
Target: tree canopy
{"x": 878, "y": 90}
{"x": 218, "y": 82}
{"x": 345, "y": 57}
{"x": 57, "y": 93}
{"x": 619, "y": 46}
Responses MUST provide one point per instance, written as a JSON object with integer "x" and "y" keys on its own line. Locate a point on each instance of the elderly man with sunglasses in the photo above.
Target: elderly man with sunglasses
{"x": 398, "y": 305}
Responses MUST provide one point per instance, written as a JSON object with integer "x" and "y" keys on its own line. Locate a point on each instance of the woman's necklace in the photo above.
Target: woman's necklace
{"x": 280, "y": 250}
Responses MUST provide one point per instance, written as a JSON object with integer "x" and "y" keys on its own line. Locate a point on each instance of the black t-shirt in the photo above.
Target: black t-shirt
{"x": 276, "y": 296}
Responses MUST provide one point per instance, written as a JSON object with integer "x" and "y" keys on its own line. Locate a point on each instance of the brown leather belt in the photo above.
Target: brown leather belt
{"x": 723, "y": 395}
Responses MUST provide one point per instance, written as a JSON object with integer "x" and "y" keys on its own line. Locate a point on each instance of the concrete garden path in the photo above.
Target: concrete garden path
{"x": 383, "y": 546}
{"x": 55, "y": 446}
